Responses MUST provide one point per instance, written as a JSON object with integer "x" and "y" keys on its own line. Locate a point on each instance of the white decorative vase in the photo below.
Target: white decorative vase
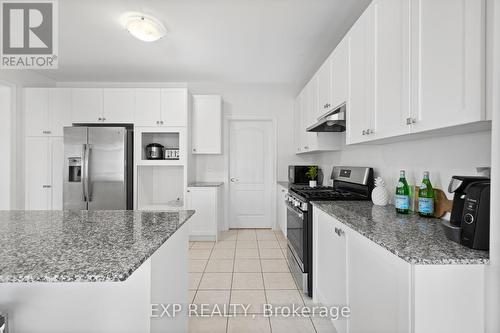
{"x": 313, "y": 183}
{"x": 380, "y": 197}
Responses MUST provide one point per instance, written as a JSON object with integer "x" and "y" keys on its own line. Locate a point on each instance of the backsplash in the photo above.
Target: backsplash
{"x": 443, "y": 157}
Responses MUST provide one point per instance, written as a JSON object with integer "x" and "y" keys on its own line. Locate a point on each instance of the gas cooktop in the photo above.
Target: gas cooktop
{"x": 326, "y": 193}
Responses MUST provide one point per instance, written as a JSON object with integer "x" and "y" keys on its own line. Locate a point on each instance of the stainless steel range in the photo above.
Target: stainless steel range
{"x": 349, "y": 183}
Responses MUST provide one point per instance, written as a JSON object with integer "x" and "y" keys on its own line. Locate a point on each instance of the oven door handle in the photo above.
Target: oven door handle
{"x": 295, "y": 210}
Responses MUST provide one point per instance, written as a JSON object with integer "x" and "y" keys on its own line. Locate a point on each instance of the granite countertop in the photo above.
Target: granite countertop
{"x": 414, "y": 239}
{"x": 74, "y": 246}
{"x": 284, "y": 184}
{"x": 206, "y": 184}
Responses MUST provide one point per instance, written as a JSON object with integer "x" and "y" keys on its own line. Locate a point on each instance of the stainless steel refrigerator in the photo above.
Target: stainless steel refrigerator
{"x": 98, "y": 168}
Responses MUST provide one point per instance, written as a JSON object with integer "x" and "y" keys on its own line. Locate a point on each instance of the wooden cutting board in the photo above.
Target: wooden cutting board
{"x": 442, "y": 204}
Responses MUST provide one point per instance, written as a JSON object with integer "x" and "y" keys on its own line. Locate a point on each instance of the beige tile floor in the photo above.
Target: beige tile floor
{"x": 246, "y": 266}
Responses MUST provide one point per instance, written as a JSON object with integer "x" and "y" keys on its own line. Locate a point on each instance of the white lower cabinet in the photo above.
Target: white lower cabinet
{"x": 281, "y": 210}
{"x": 330, "y": 262}
{"x": 387, "y": 294}
{"x": 206, "y": 222}
{"x": 43, "y": 173}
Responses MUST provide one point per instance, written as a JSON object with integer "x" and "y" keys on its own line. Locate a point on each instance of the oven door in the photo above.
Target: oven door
{"x": 296, "y": 222}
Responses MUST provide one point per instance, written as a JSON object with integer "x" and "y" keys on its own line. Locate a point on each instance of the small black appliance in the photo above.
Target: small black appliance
{"x": 297, "y": 174}
{"x": 476, "y": 216}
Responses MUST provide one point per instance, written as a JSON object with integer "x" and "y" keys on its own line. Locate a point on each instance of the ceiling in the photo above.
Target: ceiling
{"x": 250, "y": 41}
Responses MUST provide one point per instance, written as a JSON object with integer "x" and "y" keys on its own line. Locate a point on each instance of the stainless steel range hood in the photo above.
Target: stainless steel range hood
{"x": 331, "y": 122}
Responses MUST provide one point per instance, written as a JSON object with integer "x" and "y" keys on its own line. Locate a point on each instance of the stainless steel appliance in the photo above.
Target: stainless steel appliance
{"x": 297, "y": 174}
{"x": 349, "y": 183}
{"x": 154, "y": 151}
{"x": 98, "y": 168}
{"x": 333, "y": 121}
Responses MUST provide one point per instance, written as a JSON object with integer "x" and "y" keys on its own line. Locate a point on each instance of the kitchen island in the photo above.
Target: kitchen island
{"x": 93, "y": 271}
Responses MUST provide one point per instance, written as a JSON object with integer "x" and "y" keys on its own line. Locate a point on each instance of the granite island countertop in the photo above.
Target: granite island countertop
{"x": 414, "y": 239}
{"x": 74, "y": 246}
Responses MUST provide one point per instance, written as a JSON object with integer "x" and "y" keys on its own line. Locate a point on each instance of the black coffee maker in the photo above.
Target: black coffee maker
{"x": 464, "y": 189}
{"x": 458, "y": 184}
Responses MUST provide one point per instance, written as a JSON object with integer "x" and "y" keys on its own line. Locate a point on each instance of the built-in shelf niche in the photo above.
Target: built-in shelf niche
{"x": 166, "y": 139}
{"x": 160, "y": 187}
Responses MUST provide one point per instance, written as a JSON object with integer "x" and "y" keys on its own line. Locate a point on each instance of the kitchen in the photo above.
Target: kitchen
{"x": 364, "y": 90}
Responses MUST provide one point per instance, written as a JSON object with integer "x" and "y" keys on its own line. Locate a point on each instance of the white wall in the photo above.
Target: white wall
{"x": 443, "y": 157}
{"x": 17, "y": 80}
{"x": 274, "y": 101}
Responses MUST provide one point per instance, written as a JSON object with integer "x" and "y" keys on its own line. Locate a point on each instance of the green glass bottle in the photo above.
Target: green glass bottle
{"x": 402, "y": 194}
{"x": 426, "y": 197}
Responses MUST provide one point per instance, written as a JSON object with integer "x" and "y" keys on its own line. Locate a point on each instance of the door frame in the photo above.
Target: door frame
{"x": 15, "y": 146}
{"x": 274, "y": 152}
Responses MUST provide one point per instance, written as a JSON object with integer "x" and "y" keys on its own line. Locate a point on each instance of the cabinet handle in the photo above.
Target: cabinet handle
{"x": 46, "y": 132}
{"x": 99, "y": 118}
{"x": 306, "y": 147}
{"x": 410, "y": 121}
{"x": 103, "y": 119}
{"x": 364, "y": 132}
{"x": 194, "y": 149}
{"x": 161, "y": 122}
{"x": 46, "y": 186}
{"x": 188, "y": 191}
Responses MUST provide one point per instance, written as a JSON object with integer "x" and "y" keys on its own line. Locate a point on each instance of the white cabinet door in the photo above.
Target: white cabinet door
{"x": 330, "y": 262}
{"x": 204, "y": 201}
{"x": 379, "y": 282}
{"x": 38, "y": 174}
{"x": 36, "y": 106}
{"x": 339, "y": 75}
{"x": 147, "y": 111}
{"x": 87, "y": 105}
{"x": 118, "y": 105}
{"x": 174, "y": 107}
{"x": 360, "y": 95}
{"x": 324, "y": 88}
{"x": 57, "y": 164}
{"x": 448, "y": 63}
{"x": 281, "y": 208}
{"x": 310, "y": 113}
{"x": 296, "y": 125}
{"x": 392, "y": 74}
{"x": 59, "y": 110}
{"x": 304, "y": 119}
{"x": 207, "y": 124}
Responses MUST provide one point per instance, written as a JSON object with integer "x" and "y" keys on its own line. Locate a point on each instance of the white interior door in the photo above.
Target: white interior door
{"x": 251, "y": 173}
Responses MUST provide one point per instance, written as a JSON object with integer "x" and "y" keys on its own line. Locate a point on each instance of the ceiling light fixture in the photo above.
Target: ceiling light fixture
{"x": 144, "y": 27}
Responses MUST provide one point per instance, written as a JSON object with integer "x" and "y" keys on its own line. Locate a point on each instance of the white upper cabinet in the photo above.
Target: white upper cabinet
{"x": 174, "y": 107}
{"x": 206, "y": 124}
{"x": 324, "y": 88}
{"x": 391, "y": 71}
{"x": 36, "y": 106}
{"x": 87, "y": 105}
{"x": 118, "y": 105}
{"x": 147, "y": 111}
{"x": 447, "y": 66}
{"x": 59, "y": 110}
{"x": 297, "y": 125}
{"x": 339, "y": 74}
{"x": 47, "y": 111}
{"x": 360, "y": 90}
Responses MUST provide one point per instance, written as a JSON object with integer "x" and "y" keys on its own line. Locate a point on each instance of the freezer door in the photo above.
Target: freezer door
{"x": 106, "y": 171}
{"x": 75, "y": 143}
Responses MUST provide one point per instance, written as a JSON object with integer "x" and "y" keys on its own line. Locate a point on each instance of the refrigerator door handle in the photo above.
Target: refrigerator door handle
{"x": 85, "y": 172}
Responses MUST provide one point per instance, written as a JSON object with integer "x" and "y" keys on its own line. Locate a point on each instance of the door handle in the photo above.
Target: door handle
{"x": 84, "y": 172}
